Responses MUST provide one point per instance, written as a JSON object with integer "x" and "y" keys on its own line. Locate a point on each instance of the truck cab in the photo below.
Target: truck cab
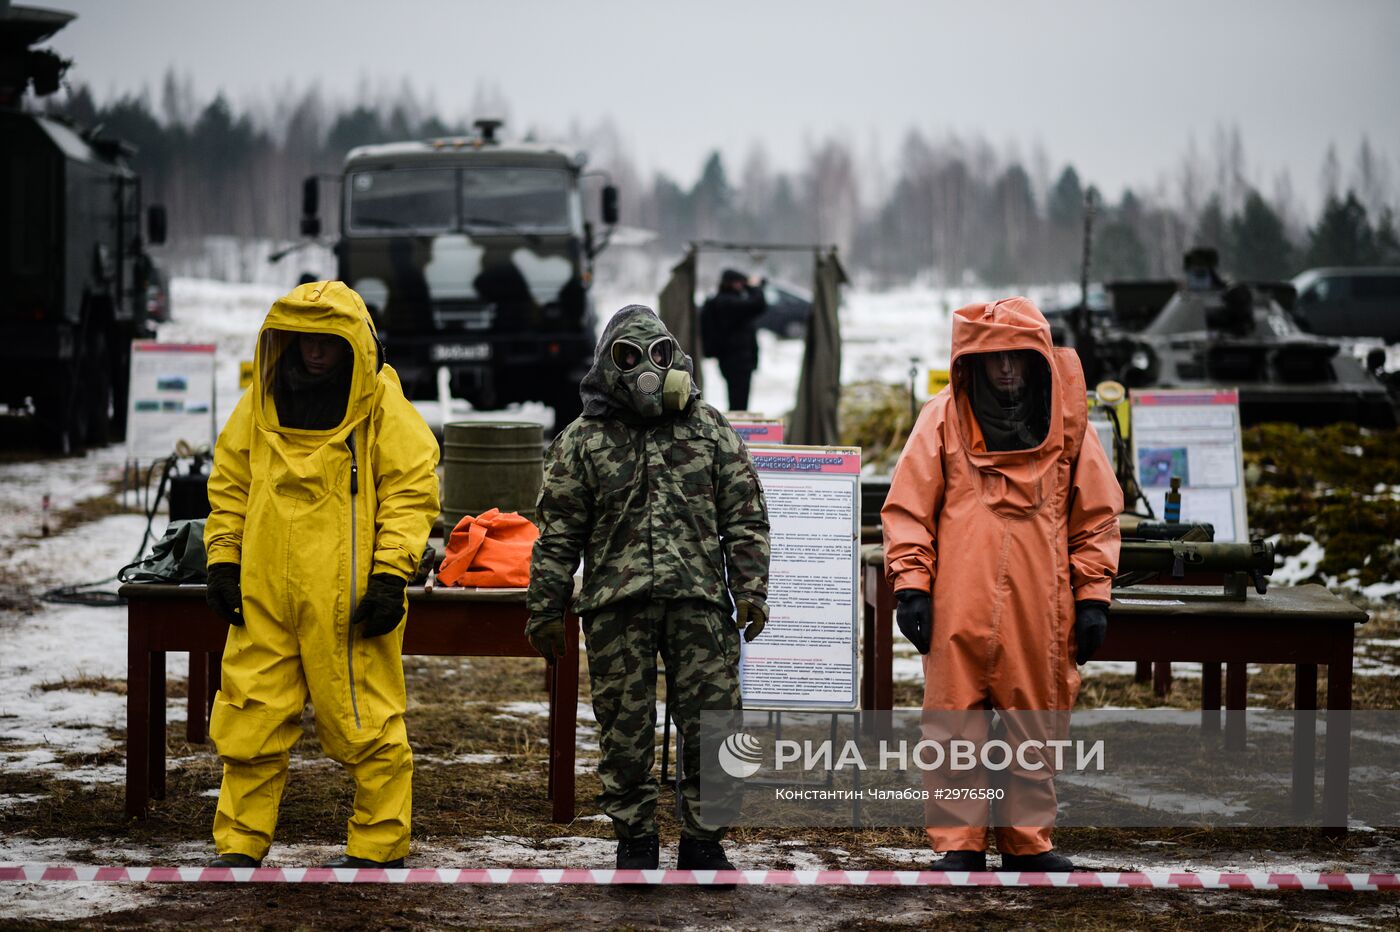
{"x": 474, "y": 257}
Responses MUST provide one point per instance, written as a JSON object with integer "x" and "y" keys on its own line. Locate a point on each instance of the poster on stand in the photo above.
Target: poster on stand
{"x": 756, "y": 430}
{"x": 171, "y": 398}
{"x": 1195, "y": 436}
{"x": 806, "y": 657}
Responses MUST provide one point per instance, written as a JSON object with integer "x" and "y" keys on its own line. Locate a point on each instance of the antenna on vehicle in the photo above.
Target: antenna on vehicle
{"x": 486, "y": 129}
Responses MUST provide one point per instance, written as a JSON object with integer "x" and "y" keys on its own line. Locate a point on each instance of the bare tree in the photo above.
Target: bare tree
{"x": 833, "y": 193}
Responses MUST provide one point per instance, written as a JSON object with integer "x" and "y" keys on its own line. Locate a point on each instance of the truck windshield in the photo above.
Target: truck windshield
{"x": 520, "y": 198}
{"x": 443, "y": 200}
{"x": 418, "y": 200}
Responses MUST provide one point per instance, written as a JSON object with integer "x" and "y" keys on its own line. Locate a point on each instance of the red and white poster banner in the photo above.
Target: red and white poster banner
{"x": 806, "y": 656}
{"x": 758, "y": 431}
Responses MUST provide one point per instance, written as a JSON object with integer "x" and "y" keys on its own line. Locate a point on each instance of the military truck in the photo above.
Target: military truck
{"x": 475, "y": 260}
{"x": 73, "y": 262}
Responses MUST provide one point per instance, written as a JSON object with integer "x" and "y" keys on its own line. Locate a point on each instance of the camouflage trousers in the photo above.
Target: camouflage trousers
{"x": 700, "y": 646}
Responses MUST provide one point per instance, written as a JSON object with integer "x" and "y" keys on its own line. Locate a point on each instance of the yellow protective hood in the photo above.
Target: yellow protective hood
{"x": 329, "y": 307}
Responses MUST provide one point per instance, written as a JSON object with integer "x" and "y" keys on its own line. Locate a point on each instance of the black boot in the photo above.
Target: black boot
{"x": 697, "y": 855}
{"x": 1046, "y": 862}
{"x": 960, "y": 861}
{"x": 346, "y": 860}
{"x": 638, "y": 854}
{"x": 233, "y": 859}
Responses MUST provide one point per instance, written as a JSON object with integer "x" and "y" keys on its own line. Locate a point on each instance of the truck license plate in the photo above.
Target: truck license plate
{"x": 461, "y": 352}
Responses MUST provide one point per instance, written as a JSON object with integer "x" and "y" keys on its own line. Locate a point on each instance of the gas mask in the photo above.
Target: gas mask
{"x": 647, "y": 373}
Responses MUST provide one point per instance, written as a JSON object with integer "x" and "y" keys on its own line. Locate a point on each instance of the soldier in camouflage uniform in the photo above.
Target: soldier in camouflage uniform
{"x": 657, "y": 493}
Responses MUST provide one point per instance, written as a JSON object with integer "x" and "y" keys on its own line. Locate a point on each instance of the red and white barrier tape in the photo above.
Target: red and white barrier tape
{"x": 1138, "y": 880}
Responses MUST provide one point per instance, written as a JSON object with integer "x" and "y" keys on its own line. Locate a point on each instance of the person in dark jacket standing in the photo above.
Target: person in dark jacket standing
{"x": 658, "y": 495}
{"x": 730, "y": 334}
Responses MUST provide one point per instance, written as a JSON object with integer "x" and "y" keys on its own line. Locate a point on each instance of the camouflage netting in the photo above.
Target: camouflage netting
{"x": 875, "y": 416}
{"x": 1336, "y": 485}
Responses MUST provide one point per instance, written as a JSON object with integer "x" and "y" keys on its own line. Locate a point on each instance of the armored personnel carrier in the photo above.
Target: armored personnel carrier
{"x": 1207, "y": 333}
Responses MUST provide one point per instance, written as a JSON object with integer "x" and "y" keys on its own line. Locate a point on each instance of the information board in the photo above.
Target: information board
{"x": 806, "y": 656}
{"x": 757, "y": 430}
{"x": 171, "y": 398}
{"x": 1194, "y": 435}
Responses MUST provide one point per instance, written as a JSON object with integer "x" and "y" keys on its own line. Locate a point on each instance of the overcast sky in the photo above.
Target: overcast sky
{"x": 1115, "y": 87}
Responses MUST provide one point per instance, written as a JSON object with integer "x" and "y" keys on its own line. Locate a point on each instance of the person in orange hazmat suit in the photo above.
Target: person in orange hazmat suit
{"x": 1001, "y": 467}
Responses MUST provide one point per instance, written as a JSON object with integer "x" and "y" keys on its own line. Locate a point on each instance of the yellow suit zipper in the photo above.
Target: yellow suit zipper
{"x": 354, "y": 548}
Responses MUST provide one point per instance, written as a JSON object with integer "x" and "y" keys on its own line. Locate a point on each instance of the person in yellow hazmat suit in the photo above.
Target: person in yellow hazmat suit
{"x": 322, "y": 496}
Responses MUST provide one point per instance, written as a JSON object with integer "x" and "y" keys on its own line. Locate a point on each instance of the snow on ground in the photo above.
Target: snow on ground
{"x": 39, "y": 726}
{"x": 60, "y": 902}
{"x": 66, "y": 481}
{"x": 1303, "y": 565}
{"x": 1299, "y": 566}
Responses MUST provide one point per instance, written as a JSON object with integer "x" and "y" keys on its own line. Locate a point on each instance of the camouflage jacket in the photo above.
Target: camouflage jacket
{"x": 656, "y": 511}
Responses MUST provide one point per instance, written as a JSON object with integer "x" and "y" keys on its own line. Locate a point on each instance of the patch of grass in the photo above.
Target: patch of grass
{"x": 89, "y": 510}
{"x": 1270, "y": 686}
{"x": 92, "y": 684}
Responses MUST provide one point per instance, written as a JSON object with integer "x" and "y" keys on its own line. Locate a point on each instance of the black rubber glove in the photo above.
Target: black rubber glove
{"x": 381, "y": 608}
{"x": 1090, "y": 628}
{"x": 546, "y": 635}
{"x": 224, "y": 592}
{"x": 914, "y": 614}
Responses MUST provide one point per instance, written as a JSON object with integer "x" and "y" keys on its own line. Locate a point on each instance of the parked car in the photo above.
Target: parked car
{"x": 789, "y": 308}
{"x": 1350, "y": 302}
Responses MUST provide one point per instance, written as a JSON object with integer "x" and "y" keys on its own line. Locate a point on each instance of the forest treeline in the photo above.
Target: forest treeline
{"x": 943, "y": 210}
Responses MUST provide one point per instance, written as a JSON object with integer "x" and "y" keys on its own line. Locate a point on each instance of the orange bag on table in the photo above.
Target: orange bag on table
{"x": 490, "y": 550}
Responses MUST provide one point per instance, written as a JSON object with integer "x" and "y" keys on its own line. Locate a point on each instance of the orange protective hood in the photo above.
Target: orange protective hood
{"x": 1008, "y": 324}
